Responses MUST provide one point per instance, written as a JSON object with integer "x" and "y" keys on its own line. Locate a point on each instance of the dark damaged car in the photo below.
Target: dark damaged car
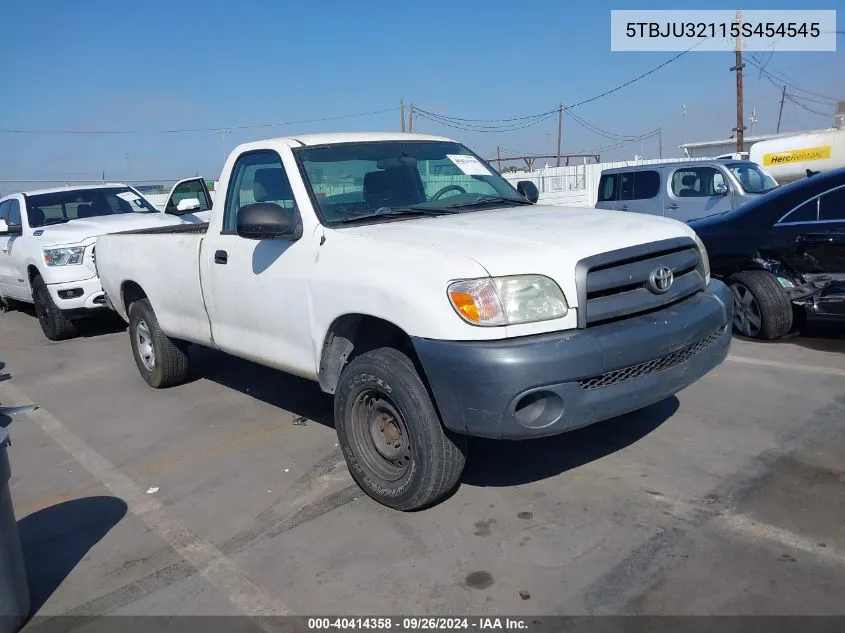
{"x": 782, "y": 255}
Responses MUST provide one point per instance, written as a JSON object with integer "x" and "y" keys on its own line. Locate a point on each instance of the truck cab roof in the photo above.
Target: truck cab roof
{"x": 36, "y": 192}
{"x": 334, "y": 138}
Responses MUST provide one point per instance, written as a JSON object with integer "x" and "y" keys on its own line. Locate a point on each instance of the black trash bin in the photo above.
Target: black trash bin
{"x": 14, "y": 591}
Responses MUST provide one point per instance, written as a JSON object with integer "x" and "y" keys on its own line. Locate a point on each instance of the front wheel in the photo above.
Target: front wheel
{"x": 760, "y": 306}
{"x": 394, "y": 443}
{"x": 162, "y": 361}
{"x": 55, "y": 325}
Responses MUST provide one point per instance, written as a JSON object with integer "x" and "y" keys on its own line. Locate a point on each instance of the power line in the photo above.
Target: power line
{"x": 637, "y": 78}
{"x": 468, "y": 124}
{"x": 454, "y": 118}
{"x": 786, "y": 80}
{"x": 811, "y": 100}
{"x": 596, "y": 150}
{"x": 801, "y": 105}
{"x": 487, "y": 129}
{"x": 605, "y": 133}
{"x": 206, "y": 129}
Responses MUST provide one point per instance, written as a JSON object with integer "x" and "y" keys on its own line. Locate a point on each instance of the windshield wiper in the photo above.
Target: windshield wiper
{"x": 399, "y": 211}
{"x": 50, "y": 221}
{"x": 485, "y": 199}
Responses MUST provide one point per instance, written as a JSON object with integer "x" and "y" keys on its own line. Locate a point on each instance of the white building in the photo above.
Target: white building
{"x": 711, "y": 149}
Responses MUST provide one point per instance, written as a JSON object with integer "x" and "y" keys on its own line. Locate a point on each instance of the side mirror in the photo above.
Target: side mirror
{"x": 721, "y": 190}
{"x": 14, "y": 229}
{"x": 528, "y": 190}
{"x": 268, "y": 221}
{"x": 188, "y": 204}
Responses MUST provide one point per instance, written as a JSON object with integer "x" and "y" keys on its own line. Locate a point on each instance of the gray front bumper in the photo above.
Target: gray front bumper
{"x": 576, "y": 377}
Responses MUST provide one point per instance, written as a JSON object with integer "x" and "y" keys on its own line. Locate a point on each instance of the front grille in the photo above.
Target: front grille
{"x": 614, "y": 285}
{"x": 617, "y": 376}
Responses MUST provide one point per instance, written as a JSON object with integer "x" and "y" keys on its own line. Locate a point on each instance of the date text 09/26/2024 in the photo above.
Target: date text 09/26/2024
{"x": 417, "y": 623}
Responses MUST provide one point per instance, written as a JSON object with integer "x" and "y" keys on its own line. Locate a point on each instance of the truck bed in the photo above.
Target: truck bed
{"x": 163, "y": 264}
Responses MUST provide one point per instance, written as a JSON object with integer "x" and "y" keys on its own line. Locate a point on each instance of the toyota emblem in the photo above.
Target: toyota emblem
{"x": 660, "y": 280}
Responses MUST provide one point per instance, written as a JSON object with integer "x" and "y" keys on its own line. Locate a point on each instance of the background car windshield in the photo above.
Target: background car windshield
{"x": 62, "y": 206}
{"x": 752, "y": 178}
{"x": 358, "y": 179}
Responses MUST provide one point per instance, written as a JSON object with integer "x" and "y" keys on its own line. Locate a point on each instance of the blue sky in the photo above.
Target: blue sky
{"x": 105, "y": 65}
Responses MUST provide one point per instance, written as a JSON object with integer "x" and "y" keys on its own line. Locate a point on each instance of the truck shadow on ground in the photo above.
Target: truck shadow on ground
{"x": 303, "y": 398}
{"x": 57, "y": 538}
{"x": 490, "y": 462}
{"x": 495, "y": 463}
{"x": 106, "y": 323}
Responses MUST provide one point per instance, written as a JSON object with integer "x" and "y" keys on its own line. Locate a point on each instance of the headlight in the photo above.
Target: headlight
{"x": 705, "y": 259}
{"x": 64, "y": 256}
{"x": 507, "y": 300}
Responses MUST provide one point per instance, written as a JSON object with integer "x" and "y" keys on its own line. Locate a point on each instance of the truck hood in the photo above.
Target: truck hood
{"x": 80, "y": 230}
{"x": 547, "y": 240}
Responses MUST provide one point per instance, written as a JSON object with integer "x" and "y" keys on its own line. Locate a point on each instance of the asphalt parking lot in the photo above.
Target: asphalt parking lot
{"x": 228, "y": 495}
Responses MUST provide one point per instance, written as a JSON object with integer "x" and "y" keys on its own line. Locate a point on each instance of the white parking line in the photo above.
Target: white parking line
{"x": 814, "y": 369}
{"x": 756, "y": 529}
{"x": 209, "y": 561}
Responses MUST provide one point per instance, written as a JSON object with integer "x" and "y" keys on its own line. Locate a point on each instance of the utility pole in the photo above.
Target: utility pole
{"x": 499, "y": 158}
{"x": 780, "y": 114}
{"x": 559, "y": 130}
{"x": 740, "y": 123}
{"x": 684, "y": 113}
{"x": 660, "y": 142}
{"x": 402, "y": 112}
{"x": 411, "y": 118}
{"x": 223, "y": 135}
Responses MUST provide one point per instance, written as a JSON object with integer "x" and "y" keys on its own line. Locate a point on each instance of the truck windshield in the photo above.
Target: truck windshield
{"x": 383, "y": 179}
{"x": 752, "y": 177}
{"x": 77, "y": 204}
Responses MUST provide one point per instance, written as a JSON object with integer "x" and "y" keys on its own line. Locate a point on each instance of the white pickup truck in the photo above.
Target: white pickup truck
{"x": 47, "y": 243}
{"x": 433, "y": 299}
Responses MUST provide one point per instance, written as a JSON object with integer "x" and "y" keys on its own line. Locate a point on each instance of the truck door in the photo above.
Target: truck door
{"x": 190, "y": 200}
{"x": 5, "y": 258}
{"x": 12, "y": 254}
{"x": 697, "y": 192}
{"x": 256, "y": 291}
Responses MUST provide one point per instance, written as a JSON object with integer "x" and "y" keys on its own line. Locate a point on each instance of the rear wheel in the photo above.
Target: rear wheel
{"x": 55, "y": 325}
{"x": 162, "y": 361}
{"x": 391, "y": 435}
{"x": 760, "y": 306}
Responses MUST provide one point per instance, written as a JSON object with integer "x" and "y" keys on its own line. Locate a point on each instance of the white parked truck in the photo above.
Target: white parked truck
{"x": 47, "y": 244}
{"x": 430, "y": 297}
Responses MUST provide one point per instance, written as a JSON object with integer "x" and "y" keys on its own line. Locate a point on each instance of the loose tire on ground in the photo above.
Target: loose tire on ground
{"x": 162, "y": 361}
{"x": 388, "y": 428}
{"x": 761, "y": 308}
{"x": 55, "y": 325}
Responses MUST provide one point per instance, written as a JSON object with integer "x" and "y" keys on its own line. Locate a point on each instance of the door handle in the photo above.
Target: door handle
{"x": 624, "y": 207}
{"x": 221, "y": 257}
{"x": 672, "y": 205}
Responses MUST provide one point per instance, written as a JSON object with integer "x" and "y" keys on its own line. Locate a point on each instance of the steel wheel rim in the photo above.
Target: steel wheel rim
{"x": 747, "y": 319}
{"x": 379, "y": 436}
{"x": 144, "y": 342}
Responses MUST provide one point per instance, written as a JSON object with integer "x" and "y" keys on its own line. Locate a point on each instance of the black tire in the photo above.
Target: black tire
{"x": 55, "y": 325}
{"x": 388, "y": 428}
{"x": 168, "y": 364}
{"x": 761, "y": 308}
